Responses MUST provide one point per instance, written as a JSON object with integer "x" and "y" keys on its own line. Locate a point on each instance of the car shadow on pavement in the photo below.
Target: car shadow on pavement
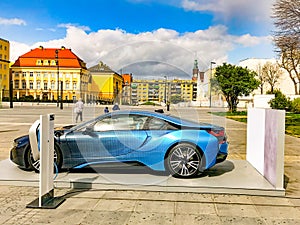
{"x": 218, "y": 169}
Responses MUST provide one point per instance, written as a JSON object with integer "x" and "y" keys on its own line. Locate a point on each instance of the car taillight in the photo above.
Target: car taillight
{"x": 219, "y": 134}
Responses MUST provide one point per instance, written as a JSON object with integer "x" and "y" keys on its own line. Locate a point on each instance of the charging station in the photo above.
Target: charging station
{"x": 41, "y": 136}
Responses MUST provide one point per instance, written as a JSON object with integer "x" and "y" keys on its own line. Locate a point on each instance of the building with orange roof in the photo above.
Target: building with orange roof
{"x": 51, "y": 73}
{"x": 4, "y": 68}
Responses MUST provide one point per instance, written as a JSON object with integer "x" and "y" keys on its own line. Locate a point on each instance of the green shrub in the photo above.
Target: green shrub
{"x": 280, "y": 101}
{"x": 295, "y": 105}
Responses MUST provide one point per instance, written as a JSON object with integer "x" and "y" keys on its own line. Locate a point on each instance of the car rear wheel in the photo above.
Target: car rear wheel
{"x": 35, "y": 164}
{"x": 184, "y": 160}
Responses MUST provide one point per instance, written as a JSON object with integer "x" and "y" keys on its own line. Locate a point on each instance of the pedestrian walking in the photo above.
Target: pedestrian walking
{"x": 116, "y": 107}
{"x": 78, "y": 109}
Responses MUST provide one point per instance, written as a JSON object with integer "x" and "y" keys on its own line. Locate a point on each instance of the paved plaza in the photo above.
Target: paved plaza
{"x": 110, "y": 206}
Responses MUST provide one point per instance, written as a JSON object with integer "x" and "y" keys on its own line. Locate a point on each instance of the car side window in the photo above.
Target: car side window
{"x": 158, "y": 124}
{"x": 121, "y": 122}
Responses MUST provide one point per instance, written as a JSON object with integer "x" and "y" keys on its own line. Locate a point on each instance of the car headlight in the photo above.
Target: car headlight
{"x": 15, "y": 144}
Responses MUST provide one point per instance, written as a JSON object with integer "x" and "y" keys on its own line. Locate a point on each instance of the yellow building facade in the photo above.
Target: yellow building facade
{"x": 106, "y": 83}
{"x": 163, "y": 90}
{"x": 4, "y": 68}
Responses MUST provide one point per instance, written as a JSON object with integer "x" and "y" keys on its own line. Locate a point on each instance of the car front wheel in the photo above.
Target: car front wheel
{"x": 35, "y": 164}
{"x": 184, "y": 160}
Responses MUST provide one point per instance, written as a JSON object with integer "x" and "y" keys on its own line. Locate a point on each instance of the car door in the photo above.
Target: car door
{"x": 109, "y": 137}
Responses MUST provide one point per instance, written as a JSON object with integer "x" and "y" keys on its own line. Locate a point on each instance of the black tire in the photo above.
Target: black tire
{"x": 35, "y": 164}
{"x": 184, "y": 161}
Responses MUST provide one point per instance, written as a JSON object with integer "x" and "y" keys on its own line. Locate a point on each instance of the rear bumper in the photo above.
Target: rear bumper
{"x": 221, "y": 157}
{"x": 223, "y": 152}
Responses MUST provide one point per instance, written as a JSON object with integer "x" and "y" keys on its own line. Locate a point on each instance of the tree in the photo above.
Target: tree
{"x": 287, "y": 37}
{"x": 271, "y": 73}
{"x": 260, "y": 77}
{"x": 234, "y": 81}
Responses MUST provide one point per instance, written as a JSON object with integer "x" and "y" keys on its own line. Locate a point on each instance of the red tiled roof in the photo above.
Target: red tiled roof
{"x": 66, "y": 58}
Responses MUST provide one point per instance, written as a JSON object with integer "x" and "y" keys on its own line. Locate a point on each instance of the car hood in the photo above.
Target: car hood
{"x": 57, "y": 130}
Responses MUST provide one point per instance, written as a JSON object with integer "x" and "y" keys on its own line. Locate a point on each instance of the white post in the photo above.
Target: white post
{"x": 46, "y": 155}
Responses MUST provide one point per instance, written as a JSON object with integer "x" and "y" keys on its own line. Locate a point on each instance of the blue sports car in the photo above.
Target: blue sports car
{"x": 161, "y": 142}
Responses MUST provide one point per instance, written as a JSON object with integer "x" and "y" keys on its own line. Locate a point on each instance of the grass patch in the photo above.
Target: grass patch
{"x": 292, "y": 120}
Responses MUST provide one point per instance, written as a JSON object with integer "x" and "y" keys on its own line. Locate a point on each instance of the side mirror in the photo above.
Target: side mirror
{"x": 88, "y": 130}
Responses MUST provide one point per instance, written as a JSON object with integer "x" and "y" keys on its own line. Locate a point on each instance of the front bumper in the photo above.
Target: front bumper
{"x": 17, "y": 156}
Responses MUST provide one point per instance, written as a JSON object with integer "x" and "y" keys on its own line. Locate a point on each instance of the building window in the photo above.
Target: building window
{"x": 24, "y": 74}
{"x": 74, "y": 86}
{"x": 24, "y": 85}
{"x": 38, "y": 62}
{"x": 38, "y": 74}
{"x": 38, "y": 85}
{"x": 16, "y": 74}
{"x": 52, "y": 75}
{"x": 31, "y": 74}
{"x": 45, "y": 86}
{"x": 67, "y": 86}
{"x": 46, "y": 62}
{"x": 16, "y": 84}
{"x": 53, "y": 63}
{"x": 31, "y": 85}
{"x": 52, "y": 85}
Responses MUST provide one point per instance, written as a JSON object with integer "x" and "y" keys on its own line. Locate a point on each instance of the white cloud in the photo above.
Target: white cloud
{"x": 69, "y": 25}
{"x": 12, "y": 21}
{"x": 254, "y": 10}
{"x": 153, "y": 53}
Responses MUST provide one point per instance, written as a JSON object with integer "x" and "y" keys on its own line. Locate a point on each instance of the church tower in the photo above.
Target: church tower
{"x": 195, "y": 70}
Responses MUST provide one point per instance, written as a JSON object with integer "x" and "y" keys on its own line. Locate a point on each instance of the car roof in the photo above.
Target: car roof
{"x": 163, "y": 116}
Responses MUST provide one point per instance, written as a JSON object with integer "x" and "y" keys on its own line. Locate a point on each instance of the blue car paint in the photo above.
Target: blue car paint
{"x": 157, "y": 146}
{"x": 148, "y": 147}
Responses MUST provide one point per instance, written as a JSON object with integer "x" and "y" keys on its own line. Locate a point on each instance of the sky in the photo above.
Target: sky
{"x": 148, "y": 38}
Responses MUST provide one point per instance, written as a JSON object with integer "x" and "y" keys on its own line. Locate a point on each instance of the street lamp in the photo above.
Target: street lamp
{"x": 57, "y": 66}
{"x": 165, "y": 97}
{"x": 211, "y": 63}
{"x": 59, "y": 83}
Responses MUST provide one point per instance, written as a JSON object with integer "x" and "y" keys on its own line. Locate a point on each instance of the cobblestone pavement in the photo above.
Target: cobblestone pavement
{"x": 146, "y": 207}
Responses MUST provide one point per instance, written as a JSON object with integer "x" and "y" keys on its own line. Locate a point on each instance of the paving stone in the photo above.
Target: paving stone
{"x": 106, "y": 218}
{"x": 241, "y": 199}
{"x": 148, "y": 218}
{"x": 155, "y": 206}
{"x": 236, "y": 210}
{"x": 115, "y": 205}
{"x": 194, "y": 197}
{"x": 122, "y": 194}
{"x": 280, "y": 212}
{"x": 262, "y": 200}
{"x": 79, "y": 203}
{"x": 192, "y": 219}
{"x": 242, "y": 221}
{"x": 195, "y": 208}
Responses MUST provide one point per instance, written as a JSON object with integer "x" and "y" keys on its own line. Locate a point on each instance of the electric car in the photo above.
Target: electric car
{"x": 161, "y": 142}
